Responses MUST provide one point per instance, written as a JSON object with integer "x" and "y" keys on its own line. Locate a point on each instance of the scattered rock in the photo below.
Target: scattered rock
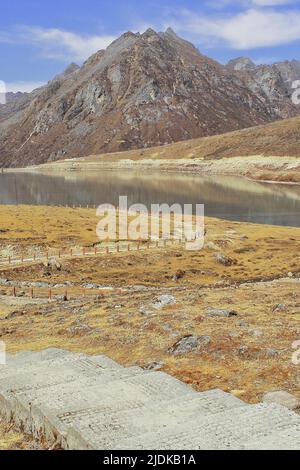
{"x": 283, "y": 398}
{"x": 234, "y": 334}
{"x": 279, "y": 308}
{"x": 271, "y": 352}
{"x": 163, "y": 301}
{"x": 63, "y": 298}
{"x": 54, "y": 264}
{"x": 225, "y": 260}
{"x": 145, "y": 312}
{"x": 155, "y": 365}
{"x": 257, "y": 332}
{"x": 238, "y": 393}
{"x": 242, "y": 350}
{"x": 243, "y": 324}
{"x": 189, "y": 343}
{"x": 179, "y": 275}
{"x": 79, "y": 328}
{"x": 212, "y": 246}
{"x": 7, "y": 331}
{"x": 214, "y": 312}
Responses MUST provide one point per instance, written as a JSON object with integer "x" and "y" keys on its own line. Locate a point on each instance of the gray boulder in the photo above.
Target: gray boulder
{"x": 214, "y": 312}
{"x": 189, "y": 343}
{"x": 283, "y": 398}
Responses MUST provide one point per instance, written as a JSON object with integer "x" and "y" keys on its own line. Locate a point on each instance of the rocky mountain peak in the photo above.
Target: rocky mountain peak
{"x": 170, "y": 32}
{"x": 241, "y": 63}
{"x": 143, "y": 90}
{"x": 71, "y": 69}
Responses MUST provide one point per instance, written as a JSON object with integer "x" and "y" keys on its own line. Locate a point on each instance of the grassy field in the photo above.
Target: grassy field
{"x": 248, "y": 353}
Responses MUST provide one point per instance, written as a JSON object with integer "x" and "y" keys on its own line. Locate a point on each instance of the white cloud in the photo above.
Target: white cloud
{"x": 271, "y": 3}
{"x": 58, "y": 44}
{"x": 249, "y": 3}
{"x": 24, "y": 87}
{"x": 253, "y": 28}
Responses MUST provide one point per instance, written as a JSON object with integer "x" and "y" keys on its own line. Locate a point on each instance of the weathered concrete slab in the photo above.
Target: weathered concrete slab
{"x": 227, "y": 430}
{"x": 50, "y": 355}
{"x": 104, "y": 395}
{"x": 64, "y": 399}
{"x": 79, "y": 363}
{"x": 104, "y": 430}
{"x": 288, "y": 439}
{"x": 282, "y": 398}
{"x": 83, "y": 402}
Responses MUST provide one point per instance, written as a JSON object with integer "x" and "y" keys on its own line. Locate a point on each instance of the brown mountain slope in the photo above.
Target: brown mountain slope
{"x": 143, "y": 90}
{"x": 270, "y": 152}
{"x": 280, "y": 138}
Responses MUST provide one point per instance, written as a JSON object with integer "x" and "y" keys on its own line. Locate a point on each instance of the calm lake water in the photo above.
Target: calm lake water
{"x": 225, "y": 197}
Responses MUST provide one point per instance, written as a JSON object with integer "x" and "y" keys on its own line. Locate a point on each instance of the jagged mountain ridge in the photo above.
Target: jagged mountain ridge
{"x": 143, "y": 90}
{"x": 272, "y": 82}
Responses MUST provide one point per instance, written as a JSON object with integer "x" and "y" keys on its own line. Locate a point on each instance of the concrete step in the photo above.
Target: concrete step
{"x": 38, "y": 371}
{"x": 103, "y": 395}
{"x": 90, "y": 402}
{"x": 105, "y": 429}
{"x": 63, "y": 399}
{"x": 229, "y": 430}
{"x": 289, "y": 439}
{"x": 55, "y": 355}
{"x": 79, "y": 363}
{"x": 29, "y": 356}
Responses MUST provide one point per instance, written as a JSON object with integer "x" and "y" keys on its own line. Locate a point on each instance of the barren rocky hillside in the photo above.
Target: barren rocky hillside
{"x": 143, "y": 90}
{"x": 273, "y": 83}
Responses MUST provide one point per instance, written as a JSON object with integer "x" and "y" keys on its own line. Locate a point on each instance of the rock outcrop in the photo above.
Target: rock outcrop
{"x": 272, "y": 83}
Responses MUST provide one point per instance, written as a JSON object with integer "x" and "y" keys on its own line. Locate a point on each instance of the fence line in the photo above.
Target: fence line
{"x": 53, "y": 293}
{"x": 67, "y": 253}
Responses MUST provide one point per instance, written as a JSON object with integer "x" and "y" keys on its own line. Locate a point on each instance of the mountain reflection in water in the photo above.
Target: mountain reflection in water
{"x": 230, "y": 198}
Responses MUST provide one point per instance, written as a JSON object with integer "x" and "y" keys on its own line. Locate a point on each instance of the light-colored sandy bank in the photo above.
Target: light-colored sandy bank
{"x": 257, "y": 167}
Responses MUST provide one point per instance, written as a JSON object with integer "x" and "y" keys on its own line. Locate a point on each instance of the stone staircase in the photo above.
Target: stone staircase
{"x": 77, "y": 401}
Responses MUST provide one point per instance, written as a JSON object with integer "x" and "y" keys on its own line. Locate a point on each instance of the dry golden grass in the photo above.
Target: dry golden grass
{"x": 236, "y": 360}
{"x": 10, "y": 440}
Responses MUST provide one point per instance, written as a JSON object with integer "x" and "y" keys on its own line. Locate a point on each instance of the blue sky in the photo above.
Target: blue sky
{"x": 38, "y": 39}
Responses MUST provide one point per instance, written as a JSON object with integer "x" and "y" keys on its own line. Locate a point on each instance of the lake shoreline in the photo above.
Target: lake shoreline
{"x": 226, "y": 197}
{"x": 272, "y": 170}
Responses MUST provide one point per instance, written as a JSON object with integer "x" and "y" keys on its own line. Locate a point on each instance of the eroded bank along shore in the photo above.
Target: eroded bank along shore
{"x": 259, "y": 168}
